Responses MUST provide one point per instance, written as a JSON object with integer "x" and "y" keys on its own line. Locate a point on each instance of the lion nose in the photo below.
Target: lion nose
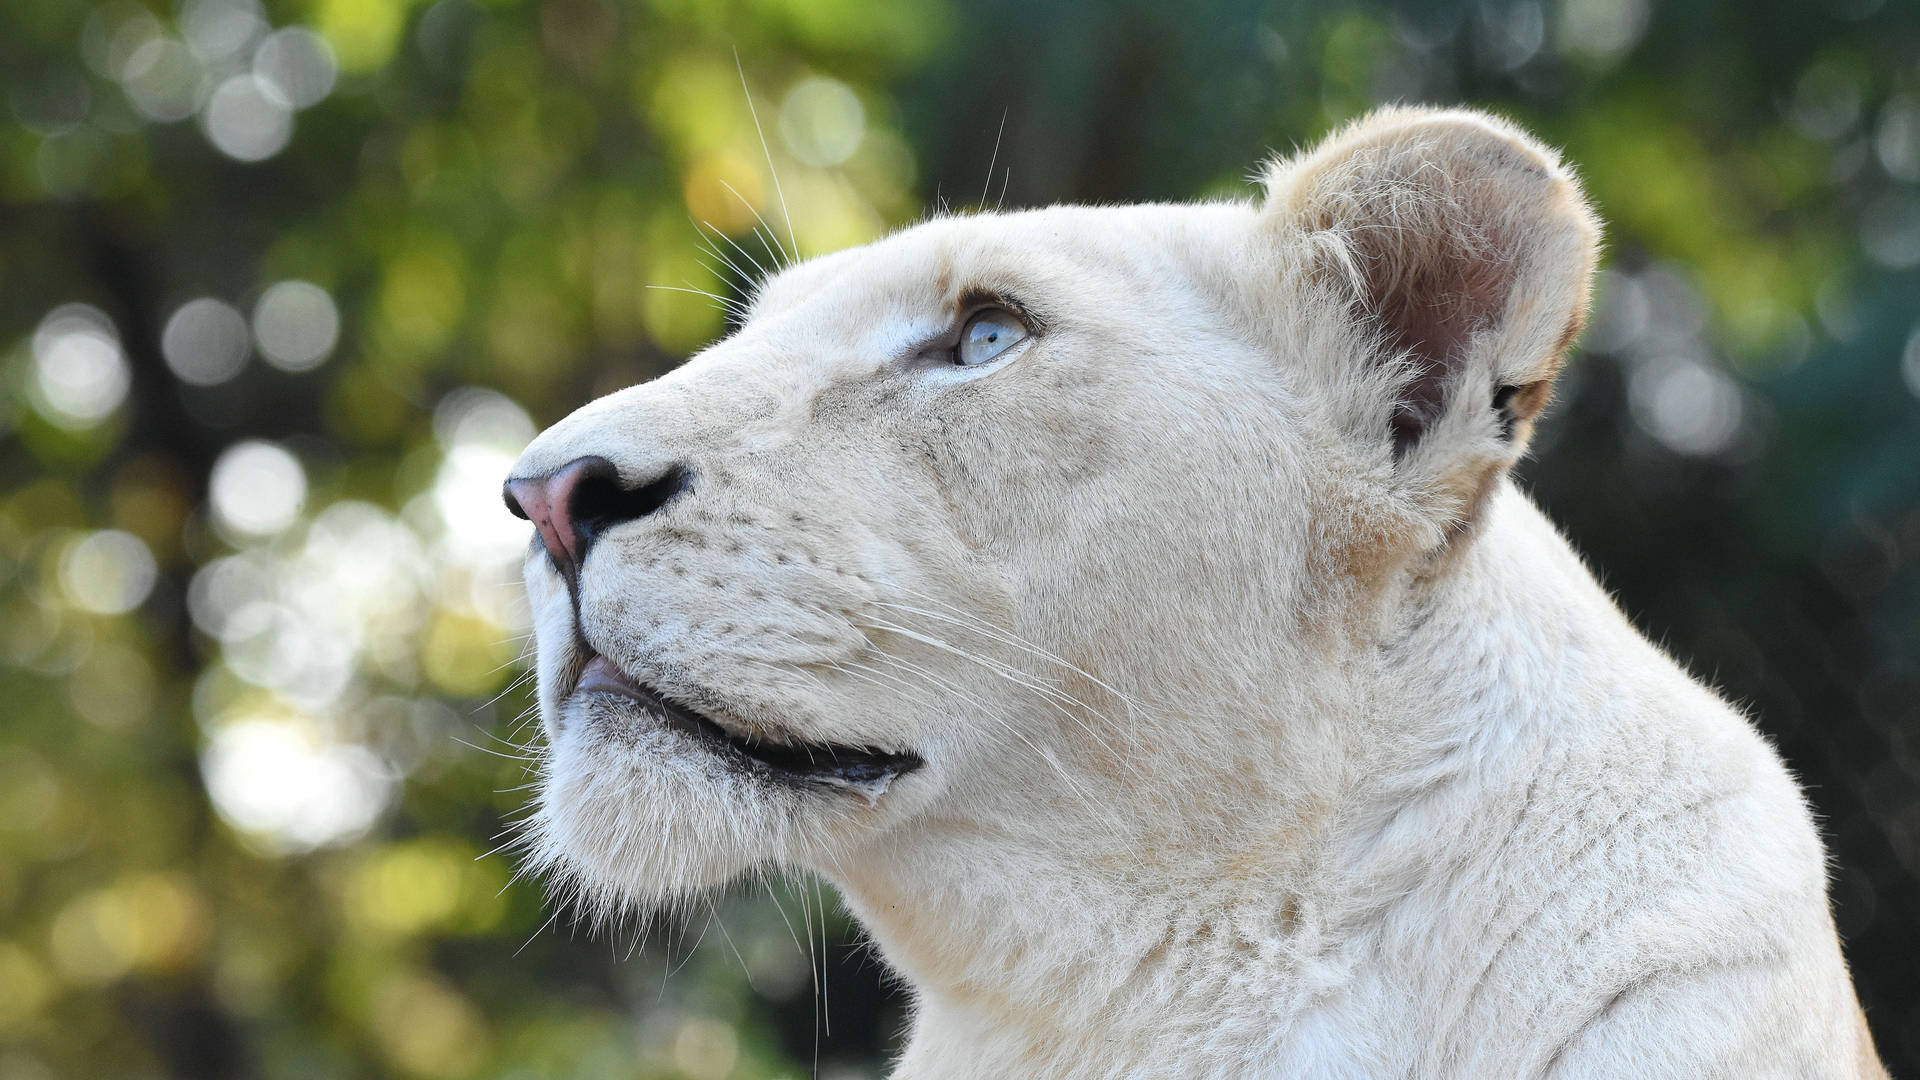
{"x": 575, "y": 503}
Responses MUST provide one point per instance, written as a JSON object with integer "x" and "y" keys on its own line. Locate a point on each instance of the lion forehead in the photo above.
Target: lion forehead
{"x": 1088, "y": 254}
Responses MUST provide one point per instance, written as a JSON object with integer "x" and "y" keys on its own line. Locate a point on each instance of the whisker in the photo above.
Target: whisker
{"x": 713, "y": 249}
{"x": 1055, "y": 698}
{"x": 765, "y": 149}
{"x": 744, "y": 253}
{"x": 495, "y": 753}
{"x": 998, "y": 716}
{"x": 728, "y": 938}
{"x": 725, "y": 304}
{"x": 995, "y": 159}
{"x": 1007, "y": 636}
{"x": 767, "y": 238}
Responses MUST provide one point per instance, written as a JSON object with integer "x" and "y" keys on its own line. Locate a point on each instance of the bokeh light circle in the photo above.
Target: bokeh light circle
{"x": 245, "y": 122}
{"x": 473, "y": 416}
{"x": 277, "y": 782}
{"x": 257, "y": 489}
{"x": 1692, "y": 407}
{"x": 109, "y": 572}
{"x": 297, "y": 66}
{"x": 296, "y": 325}
{"x": 80, "y": 374}
{"x": 162, "y": 79}
{"x": 112, "y": 34}
{"x": 822, "y": 121}
{"x": 205, "y": 342}
{"x": 217, "y": 29}
{"x": 481, "y": 433}
{"x": 225, "y": 586}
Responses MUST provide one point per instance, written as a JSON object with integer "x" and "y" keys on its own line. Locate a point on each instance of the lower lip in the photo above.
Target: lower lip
{"x": 602, "y": 676}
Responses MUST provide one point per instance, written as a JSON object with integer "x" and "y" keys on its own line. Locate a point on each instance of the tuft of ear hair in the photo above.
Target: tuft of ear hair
{"x": 1464, "y": 251}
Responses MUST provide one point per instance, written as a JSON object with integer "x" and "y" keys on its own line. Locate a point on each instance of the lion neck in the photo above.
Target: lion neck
{"x": 1054, "y": 933}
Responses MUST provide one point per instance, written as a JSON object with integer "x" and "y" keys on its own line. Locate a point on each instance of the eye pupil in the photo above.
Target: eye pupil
{"x": 988, "y": 334}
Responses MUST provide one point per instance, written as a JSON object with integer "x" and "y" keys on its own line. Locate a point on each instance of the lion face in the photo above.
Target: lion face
{"x": 898, "y": 523}
{"x": 997, "y": 530}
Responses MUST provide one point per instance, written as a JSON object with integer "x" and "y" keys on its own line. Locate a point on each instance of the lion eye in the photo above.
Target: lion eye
{"x": 987, "y": 335}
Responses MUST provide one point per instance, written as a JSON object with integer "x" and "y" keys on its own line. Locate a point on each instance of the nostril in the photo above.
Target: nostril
{"x": 513, "y": 503}
{"x": 600, "y": 501}
{"x": 576, "y": 502}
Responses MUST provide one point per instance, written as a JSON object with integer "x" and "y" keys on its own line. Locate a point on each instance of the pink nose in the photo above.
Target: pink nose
{"x": 548, "y": 502}
{"x": 575, "y": 503}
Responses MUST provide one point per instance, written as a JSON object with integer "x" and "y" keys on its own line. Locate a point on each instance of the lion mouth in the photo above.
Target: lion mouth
{"x": 864, "y": 769}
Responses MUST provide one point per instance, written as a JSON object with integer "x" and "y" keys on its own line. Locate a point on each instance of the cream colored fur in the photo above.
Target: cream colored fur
{"x": 1266, "y": 735}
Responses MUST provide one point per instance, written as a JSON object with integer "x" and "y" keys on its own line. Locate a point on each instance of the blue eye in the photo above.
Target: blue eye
{"x": 987, "y": 335}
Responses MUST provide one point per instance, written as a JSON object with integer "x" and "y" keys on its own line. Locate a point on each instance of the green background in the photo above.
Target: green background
{"x": 283, "y": 290}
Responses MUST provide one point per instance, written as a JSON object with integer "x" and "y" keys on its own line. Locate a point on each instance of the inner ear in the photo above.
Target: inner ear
{"x": 1463, "y": 250}
{"x": 1428, "y": 314}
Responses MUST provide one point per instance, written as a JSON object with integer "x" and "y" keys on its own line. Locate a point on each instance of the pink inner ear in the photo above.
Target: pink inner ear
{"x": 1431, "y": 302}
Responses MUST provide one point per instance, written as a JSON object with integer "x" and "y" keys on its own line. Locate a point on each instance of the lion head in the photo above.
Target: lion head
{"x": 1065, "y": 531}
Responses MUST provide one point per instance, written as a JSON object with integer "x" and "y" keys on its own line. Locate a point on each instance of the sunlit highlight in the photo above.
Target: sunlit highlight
{"x": 80, "y": 374}
{"x": 289, "y": 791}
{"x": 108, "y": 572}
{"x": 257, "y": 489}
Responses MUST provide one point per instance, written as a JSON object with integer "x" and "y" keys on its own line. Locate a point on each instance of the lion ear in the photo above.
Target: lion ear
{"x": 1463, "y": 252}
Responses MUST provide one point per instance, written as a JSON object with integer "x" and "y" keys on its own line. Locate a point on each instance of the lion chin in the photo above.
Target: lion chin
{"x": 1129, "y": 610}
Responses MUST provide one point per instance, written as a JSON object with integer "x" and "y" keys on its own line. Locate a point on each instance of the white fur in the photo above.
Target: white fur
{"x": 1254, "y": 746}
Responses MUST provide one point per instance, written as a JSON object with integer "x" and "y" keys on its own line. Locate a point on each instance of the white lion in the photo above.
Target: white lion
{"x": 1129, "y": 610}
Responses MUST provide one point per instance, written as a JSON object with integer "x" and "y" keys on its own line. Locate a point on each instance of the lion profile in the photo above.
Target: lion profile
{"x": 1129, "y": 610}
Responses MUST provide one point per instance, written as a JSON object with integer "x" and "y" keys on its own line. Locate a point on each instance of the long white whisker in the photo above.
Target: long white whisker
{"x": 713, "y": 249}
{"x": 736, "y": 312}
{"x": 722, "y": 302}
{"x": 728, "y": 938}
{"x": 1058, "y": 700}
{"x": 768, "y": 151}
{"x": 748, "y": 255}
{"x": 1004, "y": 635}
{"x": 998, "y": 716}
{"x": 765, "y": 231}
{"x": 1008, "y": 637}
{"x": 995, "y": 159}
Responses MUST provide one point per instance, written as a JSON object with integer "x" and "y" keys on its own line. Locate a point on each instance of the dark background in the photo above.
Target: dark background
{"x": 258, "y": 631}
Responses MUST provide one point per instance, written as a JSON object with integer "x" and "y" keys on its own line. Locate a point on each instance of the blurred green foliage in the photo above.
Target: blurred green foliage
{"x": 283, "y": 289}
